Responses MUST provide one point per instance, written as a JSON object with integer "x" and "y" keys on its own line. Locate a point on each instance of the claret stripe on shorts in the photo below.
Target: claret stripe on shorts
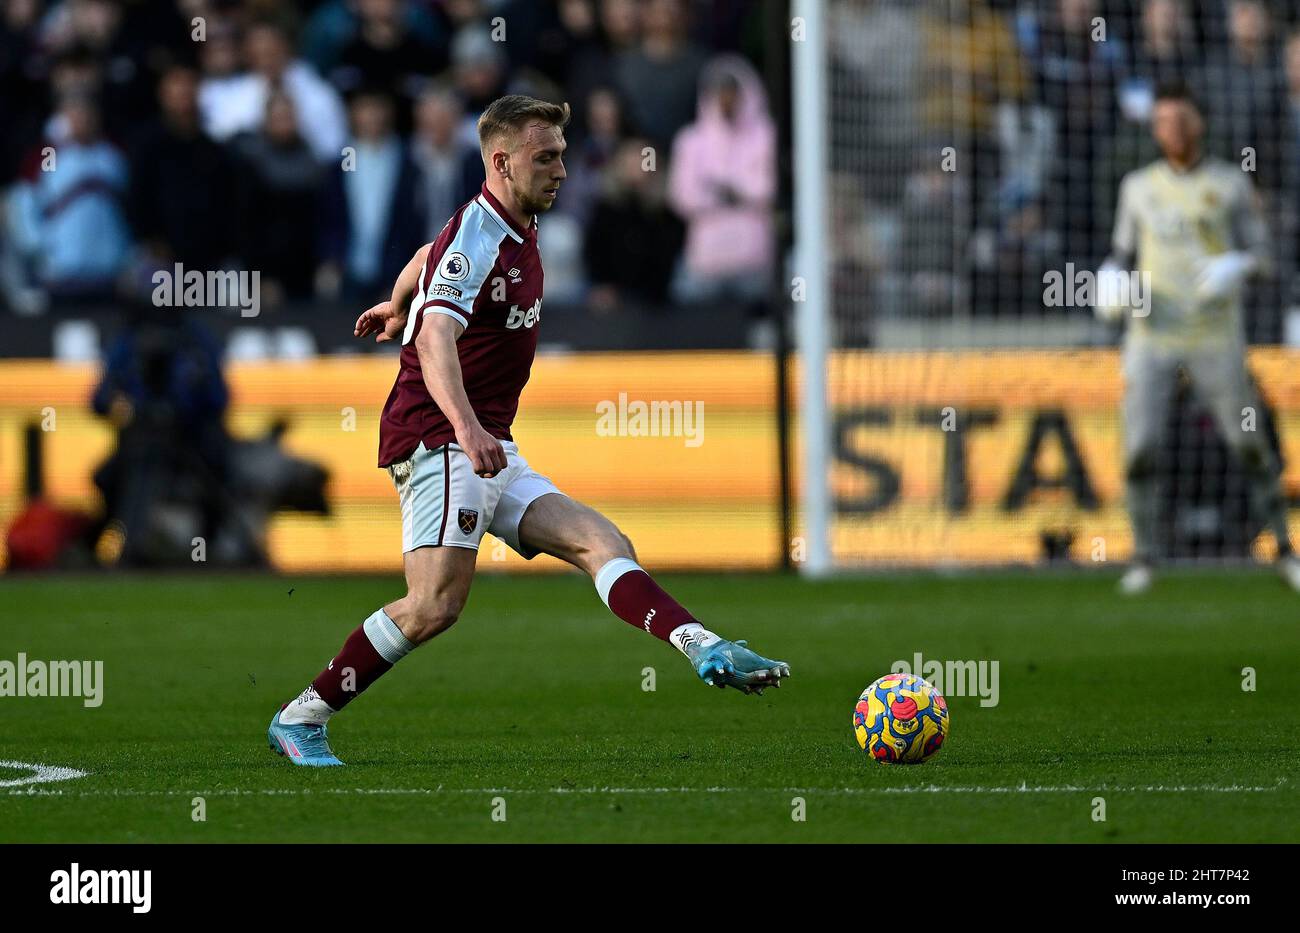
{"x": 446, "y": 492}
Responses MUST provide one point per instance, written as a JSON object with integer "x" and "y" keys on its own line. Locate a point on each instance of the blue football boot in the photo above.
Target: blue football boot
{"x": 302, "y": 743}
{"x": 731, "y": 664}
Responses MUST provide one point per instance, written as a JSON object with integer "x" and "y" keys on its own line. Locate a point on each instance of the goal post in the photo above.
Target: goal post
{"x": 810, "y": 280}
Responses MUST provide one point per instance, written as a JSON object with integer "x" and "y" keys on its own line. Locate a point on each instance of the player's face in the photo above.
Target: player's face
{"x": 537, "y": 168}
{"x": 1177, "y": 128}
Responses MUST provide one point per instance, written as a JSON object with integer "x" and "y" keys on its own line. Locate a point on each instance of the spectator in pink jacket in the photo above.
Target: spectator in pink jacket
{"x": 722, "y": 182}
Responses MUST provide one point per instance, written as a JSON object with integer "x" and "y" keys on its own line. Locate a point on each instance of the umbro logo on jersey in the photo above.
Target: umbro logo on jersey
{"x": 515, "y": 276}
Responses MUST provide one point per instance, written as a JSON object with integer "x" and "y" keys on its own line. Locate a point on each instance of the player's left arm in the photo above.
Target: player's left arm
{"x": 388, "y": 318}
{"x": 1250, "y": 231}
{"x": 1108, "y": 303}
{"x": 1222, "y": 275}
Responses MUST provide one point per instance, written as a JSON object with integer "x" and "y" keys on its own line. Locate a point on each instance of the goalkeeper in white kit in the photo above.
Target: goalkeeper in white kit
{"x": 1190, "y": 227}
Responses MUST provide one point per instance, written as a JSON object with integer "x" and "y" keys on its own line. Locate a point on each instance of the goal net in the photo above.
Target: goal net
{"x": 972, "y": 158}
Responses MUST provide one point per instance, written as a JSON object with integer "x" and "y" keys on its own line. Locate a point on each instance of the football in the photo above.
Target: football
{"x": 901, "y": 719}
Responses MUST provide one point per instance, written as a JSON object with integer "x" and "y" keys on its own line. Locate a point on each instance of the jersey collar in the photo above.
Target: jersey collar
{"x": 498, "y": 212}
{"x": 1187, "y": 172}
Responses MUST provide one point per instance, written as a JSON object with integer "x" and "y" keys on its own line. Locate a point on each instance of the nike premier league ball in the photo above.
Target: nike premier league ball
{"x": 901, "y": 719}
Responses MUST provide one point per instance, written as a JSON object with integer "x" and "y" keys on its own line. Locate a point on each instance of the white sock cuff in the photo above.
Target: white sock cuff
{"x": 387, "y": 638}
{"x": 607, "y": 575}
{"x": 691, "y": 634}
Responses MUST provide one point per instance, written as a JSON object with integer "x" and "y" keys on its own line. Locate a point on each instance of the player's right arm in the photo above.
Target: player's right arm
{"x": 1111, "y": 277}
{"x": 388, "y": 318}
{"x": 440, "y": 367}
{"x": 1124, "y": 238}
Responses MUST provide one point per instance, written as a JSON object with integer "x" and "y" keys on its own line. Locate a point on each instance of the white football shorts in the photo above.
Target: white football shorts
{"x": 1219, "y": 379}
{"x": 444, "y": 504}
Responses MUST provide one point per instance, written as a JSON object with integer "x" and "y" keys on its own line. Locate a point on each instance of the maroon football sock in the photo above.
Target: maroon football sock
{"x": 638, "y": 600}
{"x": 354, "y": 668}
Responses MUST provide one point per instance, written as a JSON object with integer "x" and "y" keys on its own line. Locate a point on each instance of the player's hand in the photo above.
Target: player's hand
{"x": 485, "y": 452}
{"x": 1109, "y": 301}
{"x": 1219, "y": 277}
{"x": 383, "y": 319}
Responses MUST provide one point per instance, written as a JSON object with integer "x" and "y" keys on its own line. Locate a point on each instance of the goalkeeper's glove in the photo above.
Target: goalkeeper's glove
{"x": 1219, "y": 277}
{"x": 1110, "y": 298}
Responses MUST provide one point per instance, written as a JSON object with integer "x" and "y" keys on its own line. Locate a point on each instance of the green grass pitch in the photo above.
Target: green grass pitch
{"x": 536, "y": 697}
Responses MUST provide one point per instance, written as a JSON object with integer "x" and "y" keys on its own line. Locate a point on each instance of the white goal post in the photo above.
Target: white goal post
{"x": 811, "y": 272}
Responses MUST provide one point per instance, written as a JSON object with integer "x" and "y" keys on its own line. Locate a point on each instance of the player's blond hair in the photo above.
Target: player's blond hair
{"x": 507, "y": 115}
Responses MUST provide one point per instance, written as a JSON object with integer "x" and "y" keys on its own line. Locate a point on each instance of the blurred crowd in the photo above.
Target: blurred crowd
{"x": 975, "y": 144}
{"x": 321, "y": 142}
{"x": 1046, "y": 105}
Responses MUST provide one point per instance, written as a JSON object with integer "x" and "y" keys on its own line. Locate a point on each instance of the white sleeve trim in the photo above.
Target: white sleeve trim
{"x": 443, "y": 309}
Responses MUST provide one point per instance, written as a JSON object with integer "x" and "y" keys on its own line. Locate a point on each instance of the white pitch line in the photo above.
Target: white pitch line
{"x": 559, "y": 791}
{"x": 41, "y": 774}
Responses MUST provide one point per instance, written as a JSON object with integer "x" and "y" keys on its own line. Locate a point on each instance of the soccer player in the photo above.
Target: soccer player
{"x": 1192, "y": 226}
{"x": 467, "y": 309}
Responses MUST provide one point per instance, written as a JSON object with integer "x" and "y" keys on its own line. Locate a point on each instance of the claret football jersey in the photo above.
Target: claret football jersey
{"x": 485, "y": 272}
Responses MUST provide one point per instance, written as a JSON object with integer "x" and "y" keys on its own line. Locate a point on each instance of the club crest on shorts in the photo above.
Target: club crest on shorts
{"x": 468, "y": 520}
